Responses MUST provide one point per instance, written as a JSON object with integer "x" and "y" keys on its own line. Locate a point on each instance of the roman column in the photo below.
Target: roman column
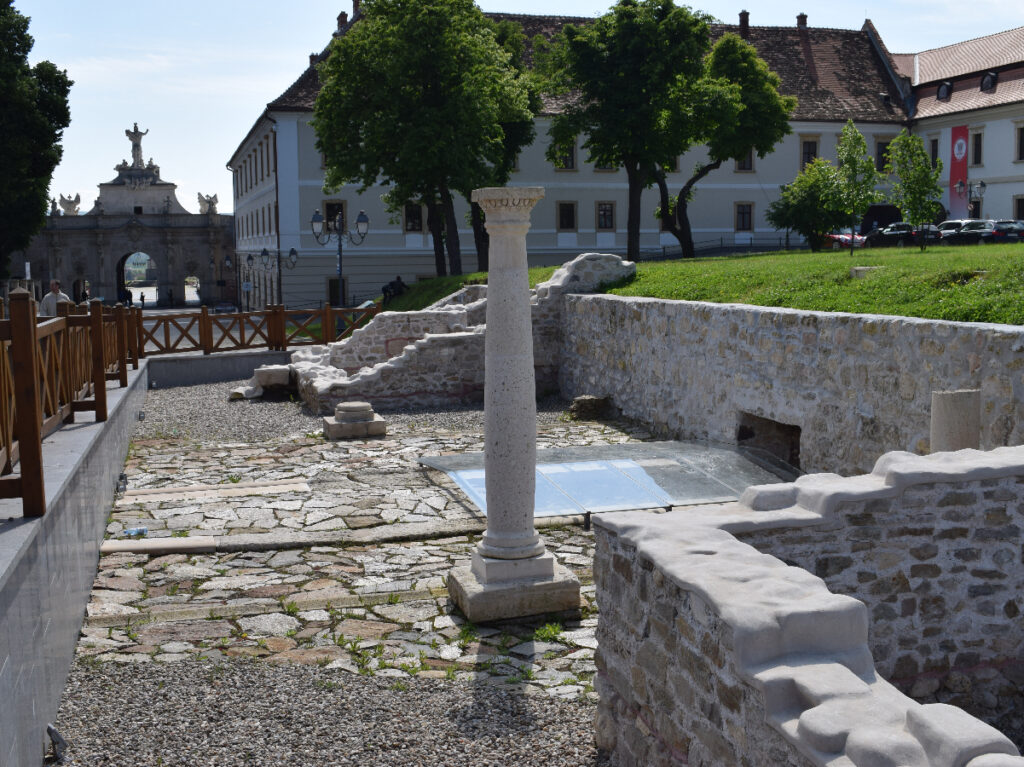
{"x": 511, "y": 573}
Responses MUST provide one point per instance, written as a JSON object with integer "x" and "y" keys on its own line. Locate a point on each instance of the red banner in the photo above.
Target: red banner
{"x": 958, "y": 172}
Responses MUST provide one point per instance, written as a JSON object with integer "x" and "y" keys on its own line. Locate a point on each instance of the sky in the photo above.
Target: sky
{"x": 197, "y": 75}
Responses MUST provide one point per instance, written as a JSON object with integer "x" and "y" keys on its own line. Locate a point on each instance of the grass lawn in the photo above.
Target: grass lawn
{"x": 967, "y": 283}
{"x": 971, "y": 283}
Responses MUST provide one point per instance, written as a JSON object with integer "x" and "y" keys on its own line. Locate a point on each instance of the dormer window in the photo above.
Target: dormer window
{"x": 989, "y": 80}
{"x": 945, "y": 91}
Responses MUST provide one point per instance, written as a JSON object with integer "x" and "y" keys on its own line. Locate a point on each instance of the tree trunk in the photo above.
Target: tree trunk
{"x": 685, "y": 234}
{"x": 480, "y": 238}
{"x": 853, "y": 236}
{"x": 435, "y": 223}
{"x": 636, "y": 188}
{"x": 451, "y": 231}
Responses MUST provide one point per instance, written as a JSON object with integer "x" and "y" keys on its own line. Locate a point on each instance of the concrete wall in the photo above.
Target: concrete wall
{"x": 47, "y": 566}
{"x": 856, "y": 385}
{"x": 712, "y": 652}
{"x": 170, "y": 370}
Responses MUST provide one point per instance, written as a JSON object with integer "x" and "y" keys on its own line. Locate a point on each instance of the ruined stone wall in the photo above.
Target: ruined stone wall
{"x": 856, "y": 385}
{"x": 714, "y": 651}
{"x": 935, "y": 554}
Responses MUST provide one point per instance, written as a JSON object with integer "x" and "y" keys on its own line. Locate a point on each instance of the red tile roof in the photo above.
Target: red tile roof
{"x": 836, "y": 76}
{"x": 980, "y": 54}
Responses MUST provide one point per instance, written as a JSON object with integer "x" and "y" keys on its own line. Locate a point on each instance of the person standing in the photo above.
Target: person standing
{"x": 48, "y": 306}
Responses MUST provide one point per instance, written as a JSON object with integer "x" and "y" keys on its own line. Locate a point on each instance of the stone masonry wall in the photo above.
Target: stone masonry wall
{"x": 712, "y": 652}
{"x": 413, "y": 358}
{"x": 933, "y": 547}
{"x": 856, "y": 385}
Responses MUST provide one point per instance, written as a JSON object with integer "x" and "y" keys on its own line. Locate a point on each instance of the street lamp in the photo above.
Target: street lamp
{"x": 337, "y": 229}
{"x": 971, "y": 190}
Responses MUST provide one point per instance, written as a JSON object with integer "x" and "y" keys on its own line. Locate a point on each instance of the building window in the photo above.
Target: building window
{"x": 605, "y": 216}
{"x": 746, "y": 164}
{"x": 673, "y": 167}
{"x": 744, "y": 217}
{"x": 414, "y": 218}
{"x": 331, "y": 210}
{"x": 976, "y": 148}
{"x": 606, "y": 168}
{"x": 567, "y": 161}
{"x": 1018, "y": 208}
{"x": 808, "y": 150}
{"x": 933, "y": 149}
{"x": 1020, "y": 143}
{"x": 567, "y": 217}
{"x": 881, "y": 154}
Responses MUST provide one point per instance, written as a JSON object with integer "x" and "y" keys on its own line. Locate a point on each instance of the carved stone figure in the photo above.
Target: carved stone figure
{"x": 207, "y": 204}
{"x": 70, "y": 206}
{"x": 135, "y": 136}
{"x": 53, "y": 207}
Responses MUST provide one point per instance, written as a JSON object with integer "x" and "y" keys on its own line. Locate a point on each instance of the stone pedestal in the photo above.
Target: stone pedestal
{"x": 956, "y": 420}
{"x": 352, "y": 420}
{"x": 511, "y": 575}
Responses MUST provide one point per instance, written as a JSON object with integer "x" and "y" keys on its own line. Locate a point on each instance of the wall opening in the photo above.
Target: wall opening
{"x": 766, "y": 438}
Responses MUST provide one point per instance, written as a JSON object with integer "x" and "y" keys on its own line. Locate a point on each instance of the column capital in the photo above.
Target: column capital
{"x": 507, "y": 204}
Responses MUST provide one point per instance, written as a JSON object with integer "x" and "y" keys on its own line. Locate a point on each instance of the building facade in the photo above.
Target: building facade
{"x": 836, "y": 75}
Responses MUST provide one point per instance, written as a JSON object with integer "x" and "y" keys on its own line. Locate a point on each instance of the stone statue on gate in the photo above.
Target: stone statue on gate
{"x": 70, "y": 205}
{"x": 135, "y": 136}
{"x": 207, "y": 204}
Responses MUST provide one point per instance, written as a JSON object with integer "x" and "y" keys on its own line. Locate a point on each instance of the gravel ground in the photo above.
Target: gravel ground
{"x": 204, "y": 413}
{"x": 245, "y": 713}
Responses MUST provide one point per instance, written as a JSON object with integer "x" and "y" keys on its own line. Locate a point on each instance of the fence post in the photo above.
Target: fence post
{"x": 140, "y": 332}
{"x": 63, "y": 384}
{"x": 277, "y": 330}
{"x": 122, "y": 345}
{"x": 28, "y": 426}
{"x": 327, "y": 324}
{"x": 99, "y": 373}
{"x": 205, "y": 331}
{"x": 133, "y": 336}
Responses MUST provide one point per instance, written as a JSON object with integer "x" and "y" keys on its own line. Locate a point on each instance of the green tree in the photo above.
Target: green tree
{"x": 915, "y": 190}
{"x": 811, "y": 205}
{"x": 857, "y": 176}
{"x": 736, "y": 111}
{"x": 626, "y": 76}
{"x": 33, "y": 115}
{"x": 418, "y": 95}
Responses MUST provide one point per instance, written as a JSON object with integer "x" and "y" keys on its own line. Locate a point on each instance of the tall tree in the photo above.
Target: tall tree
{"x": 915, "y": 190}
{"x": 736, "y": 110}
{"x": 811, "y": 205}
{"x": 858, "y": 178}
{"x": 628, "y": 73}
{"x": 33, "y": 115}
{"x": 417, "y": 95}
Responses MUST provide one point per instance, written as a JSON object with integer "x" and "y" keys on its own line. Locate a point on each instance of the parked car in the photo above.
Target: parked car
{"x": 1016, "y": 226}
{"x": 980, "y": 232}
{"x": 953, "y": 225}
{"x": 840, "y": 238}
{"x": 902, "y": 234}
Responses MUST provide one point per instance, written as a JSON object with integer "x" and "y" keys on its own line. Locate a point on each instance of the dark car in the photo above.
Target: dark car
{"x": 1013, "y": 225}
{"x": 982, "y": 233}
{"x": 953, "y": 225}
{"x": 901, "y": 235}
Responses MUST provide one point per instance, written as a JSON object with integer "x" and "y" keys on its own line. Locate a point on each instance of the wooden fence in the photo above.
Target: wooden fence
{"x": 274, "y": 328}
{"x": 51, "y": 369}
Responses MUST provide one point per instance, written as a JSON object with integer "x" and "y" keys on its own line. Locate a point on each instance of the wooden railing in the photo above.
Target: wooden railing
{"x": 274, "y": 328}
{"x": 50, "y": 370}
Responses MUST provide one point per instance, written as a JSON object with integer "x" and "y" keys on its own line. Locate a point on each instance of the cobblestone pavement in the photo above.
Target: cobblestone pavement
{"x": 377, "y": 608}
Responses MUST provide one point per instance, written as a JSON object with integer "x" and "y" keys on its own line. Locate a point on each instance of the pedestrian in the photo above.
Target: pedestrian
{"x": 48, "y": 306}
{"x": 142, "y": 299}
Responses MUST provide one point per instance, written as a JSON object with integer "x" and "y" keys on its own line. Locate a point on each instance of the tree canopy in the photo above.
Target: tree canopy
{"x": 422, "y": 96}
{"x": 627, "y": 73}
{"x": 857, "y": 176}
{"x": 812, "y": 204}
{"x": 915, "y": 190}
{"x": 33, "y": 115}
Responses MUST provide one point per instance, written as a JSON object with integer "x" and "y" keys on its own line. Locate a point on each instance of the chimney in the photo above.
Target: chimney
{"x": 342, "y": 20}
{"x": 805, "y": 44}
{"x": 313, "y": 59}
{"x": 355, "y": 9}
{"x": 801, "y": 21}
{"x": 745, "y": 25}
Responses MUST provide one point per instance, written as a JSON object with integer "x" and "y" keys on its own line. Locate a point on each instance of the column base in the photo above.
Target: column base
{"x": 496, "y": 600}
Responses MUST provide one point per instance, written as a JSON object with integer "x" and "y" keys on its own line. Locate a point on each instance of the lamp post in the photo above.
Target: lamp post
{"x": 972, "y": 190}
{"x": 248, "y": 280}
{"x": 337, "y": 229}
{"x": 290, "y": 260}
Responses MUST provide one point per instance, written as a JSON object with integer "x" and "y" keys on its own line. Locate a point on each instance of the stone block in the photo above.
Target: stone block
{"x": 335, "y": 429}
{"x": 499, "y": 600}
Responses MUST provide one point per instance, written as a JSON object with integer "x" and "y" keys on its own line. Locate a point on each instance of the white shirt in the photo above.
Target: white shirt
{"x": 48, "y": 306}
